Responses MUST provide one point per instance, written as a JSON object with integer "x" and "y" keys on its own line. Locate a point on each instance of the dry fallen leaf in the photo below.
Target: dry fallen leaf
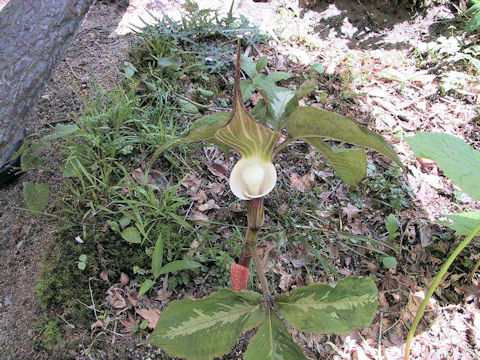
{"x": 151, "y": 315}
{"x": 210, "y": 204}
{"x": 301, "y": 184}
{"x": 351, "y": 212}
{"x": 123, "y": 279}
{"x": 128, "y": 324}
{"x": 218, "y": 170}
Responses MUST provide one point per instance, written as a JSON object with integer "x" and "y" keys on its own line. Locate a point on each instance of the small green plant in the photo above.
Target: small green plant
{"x": 460, "y": 163}
{"x": 474, "y": 13}
{"x": 185, "y": 326}
{"x": 82, "y": 262}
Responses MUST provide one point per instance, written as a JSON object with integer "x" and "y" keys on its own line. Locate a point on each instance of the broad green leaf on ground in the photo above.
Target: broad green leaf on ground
{"x": 248, "y": 66}
{"x": 30, "y": 158}
{"x": 280, "y": 102}
{"x": 389, "y": 262}
{"x": 350, "y": 164}
{"x": 306, "y": 88}
{"x": 187, "y": 106}
{"x": 463, "y": 223}
{"x": 174, "y": 60}
{"x": 308, "y": 123}
{"x": 178, "y": 265}
{"x": 204, "y": 329}
{"x": 458, "y": 160}
{"x": 36, "y": 195}
{"x": 392, "y": 226}
{"x": 278, "y": 76}
{"x": 132, "y": 235}
{"x": 247, "y": 88}
{"x": 351, "y": 304}
{"x": 261, "y": 63}
{"x": 62, "y": 131}
{"x": 273, "y": 342}
{"x": 157, "y": 257}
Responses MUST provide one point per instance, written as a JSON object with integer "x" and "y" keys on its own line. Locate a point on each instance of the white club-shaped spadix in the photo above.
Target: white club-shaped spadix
{"x": 252, "y": 178}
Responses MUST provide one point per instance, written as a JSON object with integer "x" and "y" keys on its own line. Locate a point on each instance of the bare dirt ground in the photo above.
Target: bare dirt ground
{"x": 93, "y": 58}
{"x": 369, "y": 47}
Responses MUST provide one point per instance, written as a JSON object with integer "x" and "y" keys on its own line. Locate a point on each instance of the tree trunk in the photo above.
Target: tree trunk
{"x": 34, "y": 35}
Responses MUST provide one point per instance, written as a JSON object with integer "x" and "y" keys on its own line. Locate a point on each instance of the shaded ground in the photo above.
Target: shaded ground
{"x": 370, "y": 73}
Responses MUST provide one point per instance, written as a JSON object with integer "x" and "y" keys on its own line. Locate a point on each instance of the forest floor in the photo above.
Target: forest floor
{"x": 395, "y": 70}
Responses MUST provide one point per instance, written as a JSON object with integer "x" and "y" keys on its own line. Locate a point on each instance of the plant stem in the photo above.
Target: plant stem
{"x": 434, "y": 286}
{"x": 475, "y": 268}
{"x": 261, "y": 275}
{"x": 282, "y": 146}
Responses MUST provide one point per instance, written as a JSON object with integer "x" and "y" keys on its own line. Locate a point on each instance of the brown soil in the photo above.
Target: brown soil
{"x": 93, "y": 58}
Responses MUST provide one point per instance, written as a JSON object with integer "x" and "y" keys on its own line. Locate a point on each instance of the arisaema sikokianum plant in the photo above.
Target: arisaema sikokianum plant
{"x": 206, "y": 328}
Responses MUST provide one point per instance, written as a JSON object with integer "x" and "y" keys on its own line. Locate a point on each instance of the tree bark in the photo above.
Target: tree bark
{"x": 34, "y": 35}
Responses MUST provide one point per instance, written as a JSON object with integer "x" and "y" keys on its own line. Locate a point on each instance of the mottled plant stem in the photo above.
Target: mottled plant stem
{"x": 434, "y": 286}
{"x": 261, "y": 275}
{"x": 256, "y": 218}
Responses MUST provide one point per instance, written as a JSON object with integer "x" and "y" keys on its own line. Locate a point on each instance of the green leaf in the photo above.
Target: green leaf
{"x": 170, "y": 61}
{"x": 204, "y": 129}
{"x": 280, "y": 102}
{"x": 458, "y": 160}
{"x": 247, "y": 88}
{"x": 351, "y": 304}
{"x": 178, "y": 265}
{"x": 81, "y": 265}
{"x": 350, "y": 164}
{"x": 143, "y": 325}
{"x": 114, "y": 226}
{"x": 146, "y": 285}
{"x": 132, "y": 235}
{"x": 70, "y": 169}
{"x": 82, "y": 257}
{"x": 204, "y": 329}
{"x": 273, "y": 342}
{"x": 391, "y": 224}
{"x": 62, "y": 131}
{"x": 261, "y": 63}
{"x": 389, "y": 262}
{"x": 309, "y": 123}
{"x": 36, "y": 195}
{"x": 463, "y": 223}
{"x": 307, "y": 87}
{"x": 278, "y": 76}
{"x": 248, "y": 66}
{"x": 124, "y": 222}
{"x": 317, "y": 67}
{"x": 187, "y": 106}
{"x": 259, "y": 112}
{"x": 157, "y": 257}
{"x": 30, "y": 159}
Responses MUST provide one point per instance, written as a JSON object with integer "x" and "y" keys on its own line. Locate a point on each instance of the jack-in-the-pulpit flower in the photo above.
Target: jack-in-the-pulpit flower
{"x": 254, "y": 175}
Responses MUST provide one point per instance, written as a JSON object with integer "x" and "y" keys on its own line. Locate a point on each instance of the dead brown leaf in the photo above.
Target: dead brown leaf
{"x": 151, "y": 315}
{"x": 124, "y": 279}
{"x": 351, "y": 212}
{"x": 128, "y": 324}
{"x": 210, "y": 204}
{"x": 218, "y": 170}
{"x": 301, "y": 183}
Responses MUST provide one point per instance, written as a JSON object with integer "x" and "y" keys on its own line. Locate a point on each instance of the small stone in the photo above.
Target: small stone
{"x": 20, "y": 244}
